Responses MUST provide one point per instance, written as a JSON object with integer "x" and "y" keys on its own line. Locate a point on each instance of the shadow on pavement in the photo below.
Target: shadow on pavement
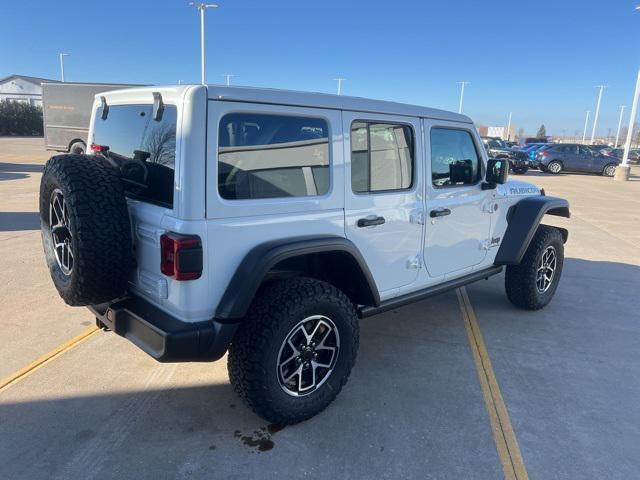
{"x": 16, "y": 221}
{"x": 412, "y": 409}
{"x": 17, "y": 171}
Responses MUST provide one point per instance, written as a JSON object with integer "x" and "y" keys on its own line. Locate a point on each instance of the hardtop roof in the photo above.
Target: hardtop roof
{"x": 326, "y": 100}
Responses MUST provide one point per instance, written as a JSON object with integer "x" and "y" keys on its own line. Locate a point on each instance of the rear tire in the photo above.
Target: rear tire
{"x": 77, "y": 148}
{"x": 526, "y": 288}
{"x": 257, "y": 363}
{"x": 85, "y": 227}
{"x": 554, "y": 167}
{"x": 609, "y": 170}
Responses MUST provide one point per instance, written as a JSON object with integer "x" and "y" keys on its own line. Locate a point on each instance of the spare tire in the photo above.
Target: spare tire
{"x": 85, "y": 226}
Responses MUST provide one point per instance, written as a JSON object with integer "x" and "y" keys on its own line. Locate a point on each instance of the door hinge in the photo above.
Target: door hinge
{"x": 414, "y": 262}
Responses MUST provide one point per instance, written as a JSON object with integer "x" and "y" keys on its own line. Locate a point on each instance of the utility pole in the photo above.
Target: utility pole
{"x": 586, "y": 122}
{"x": 228, "y": 77}
{"x": 595, "y": 117}
{"x": 202, "y": 7}
{"x": 339, "y": 80}
{"x": 615, "y": 145}
{"x": 622, "y": 170}
{"x": 462, "y": 85}
{"x": 62, "y": 55}
{"x": 509, "y": 128}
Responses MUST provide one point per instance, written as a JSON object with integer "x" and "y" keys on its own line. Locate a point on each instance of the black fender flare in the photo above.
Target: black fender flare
{"x": 253, "y": 269}
{"x": 524, "y": 218}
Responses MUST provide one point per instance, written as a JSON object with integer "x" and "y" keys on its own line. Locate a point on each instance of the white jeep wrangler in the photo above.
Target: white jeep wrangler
{"x": 267, "y": 222}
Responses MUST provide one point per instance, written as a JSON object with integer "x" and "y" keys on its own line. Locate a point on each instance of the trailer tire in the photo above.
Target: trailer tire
{"x": 85, "y": 227}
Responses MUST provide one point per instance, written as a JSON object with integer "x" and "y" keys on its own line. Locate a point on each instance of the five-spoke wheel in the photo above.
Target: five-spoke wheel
{"x": 546, "y": 269}
{"x": 59, "y": 228}
{"x": 308, "y": 354}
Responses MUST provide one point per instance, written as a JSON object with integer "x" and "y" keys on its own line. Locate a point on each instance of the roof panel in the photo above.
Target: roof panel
{"x": 325, "y": 100}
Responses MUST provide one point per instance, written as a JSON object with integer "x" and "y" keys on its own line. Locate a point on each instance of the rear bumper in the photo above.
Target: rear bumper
{"x": 164, "y": 337}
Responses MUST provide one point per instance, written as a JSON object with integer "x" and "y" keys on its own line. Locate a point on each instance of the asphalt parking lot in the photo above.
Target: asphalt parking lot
{"x": 463, "y": 385}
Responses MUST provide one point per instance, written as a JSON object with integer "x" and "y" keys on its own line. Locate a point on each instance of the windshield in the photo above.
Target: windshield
{"x": 143, "y": 148}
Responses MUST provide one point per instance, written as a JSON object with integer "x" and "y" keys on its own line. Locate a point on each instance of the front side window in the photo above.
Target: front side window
{"x": 143, "y": 148}
{"x": 272, "y": 156}
{"x": 454, "y": 158}
{"x": 381, "y": 157}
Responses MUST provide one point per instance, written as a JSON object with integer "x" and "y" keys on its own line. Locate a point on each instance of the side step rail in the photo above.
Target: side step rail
{"x": 368, "y": 311}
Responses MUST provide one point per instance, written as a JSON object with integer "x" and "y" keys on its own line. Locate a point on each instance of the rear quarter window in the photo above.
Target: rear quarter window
{"x": 272, "y": 156}
{"x": 143, "y": 148}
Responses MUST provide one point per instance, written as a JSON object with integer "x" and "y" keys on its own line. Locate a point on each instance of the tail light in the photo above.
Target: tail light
{"x": 181, "y": 256}
{"x": 95, "y": 148}
{"x": 544, "y": 154}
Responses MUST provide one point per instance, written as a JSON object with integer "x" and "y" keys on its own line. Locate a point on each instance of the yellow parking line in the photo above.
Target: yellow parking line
{"x": 46, "y": 358}
{"x": 505, "y": 438}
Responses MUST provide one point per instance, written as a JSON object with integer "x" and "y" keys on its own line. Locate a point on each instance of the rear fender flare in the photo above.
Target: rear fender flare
{"x": 255, "y": 266}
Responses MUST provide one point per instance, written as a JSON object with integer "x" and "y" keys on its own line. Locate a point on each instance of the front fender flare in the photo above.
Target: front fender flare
{"x": 524, "y": 218}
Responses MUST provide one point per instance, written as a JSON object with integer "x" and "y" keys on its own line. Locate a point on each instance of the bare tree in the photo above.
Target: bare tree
{"x": 161, "y": 144}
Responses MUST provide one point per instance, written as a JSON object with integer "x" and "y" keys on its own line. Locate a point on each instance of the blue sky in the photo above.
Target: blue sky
{"x": 538, "y": 59}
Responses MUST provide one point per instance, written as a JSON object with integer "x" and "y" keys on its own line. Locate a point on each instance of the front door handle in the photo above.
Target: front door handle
{"x": 371, "y": 221}
{"x": 441, "y": 212}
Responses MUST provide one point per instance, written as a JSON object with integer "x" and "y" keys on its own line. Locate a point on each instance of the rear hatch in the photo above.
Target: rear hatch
{"x": 143, "y": 146}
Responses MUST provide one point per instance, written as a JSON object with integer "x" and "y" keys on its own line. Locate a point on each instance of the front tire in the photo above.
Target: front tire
{"x": 554, "y": 167}
{"x": 532, "y": 284}
{"x": 295, "y": 350}
{"x": 520, "y": 170}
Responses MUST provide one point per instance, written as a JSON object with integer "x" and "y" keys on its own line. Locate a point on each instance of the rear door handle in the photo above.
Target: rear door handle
{"x": 441, "y": 212}
{"x": 370, "y": 221}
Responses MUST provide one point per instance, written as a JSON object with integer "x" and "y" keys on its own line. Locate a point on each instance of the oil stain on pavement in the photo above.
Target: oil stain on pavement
{"x": 261, "y": 440}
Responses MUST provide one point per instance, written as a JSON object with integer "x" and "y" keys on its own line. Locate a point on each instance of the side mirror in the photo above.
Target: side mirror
{"x": 497, "y": 172}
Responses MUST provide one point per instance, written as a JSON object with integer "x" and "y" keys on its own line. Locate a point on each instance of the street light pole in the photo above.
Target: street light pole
{"x": 339, "y": 80}
{"x": 586, "y": 122}
{"x": 595, "y": 117}
{"x": 62, "y": 55}
{"x": 615, "y": 145}
{"x": 462, "y": 84}
{"x": 202, "y": 7}
{"x": 509, "y": 128}
{"x": 228, "y": 77}
{"x": 622, "y": 171}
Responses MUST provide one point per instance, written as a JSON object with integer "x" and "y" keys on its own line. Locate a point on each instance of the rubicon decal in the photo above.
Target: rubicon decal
{"x": 523, "y": 190}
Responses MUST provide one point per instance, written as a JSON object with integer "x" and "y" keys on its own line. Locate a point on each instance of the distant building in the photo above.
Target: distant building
{"x": 500, "y": 132}
{"x": 21, "y": 88}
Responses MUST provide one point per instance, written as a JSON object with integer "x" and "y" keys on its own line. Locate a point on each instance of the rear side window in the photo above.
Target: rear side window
{"x": 381, "y": 157}
{"x": 454, "y": 158}
{"x": 272, "y": 156}
{"x": 143, "y": 148}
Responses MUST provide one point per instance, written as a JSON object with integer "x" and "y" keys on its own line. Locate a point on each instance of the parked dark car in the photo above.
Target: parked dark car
{"x": 573, "y": 157}
{"x": 497, "y": 148}
{"x": 528, "y": 140}
{"x": 634, "y": 153}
